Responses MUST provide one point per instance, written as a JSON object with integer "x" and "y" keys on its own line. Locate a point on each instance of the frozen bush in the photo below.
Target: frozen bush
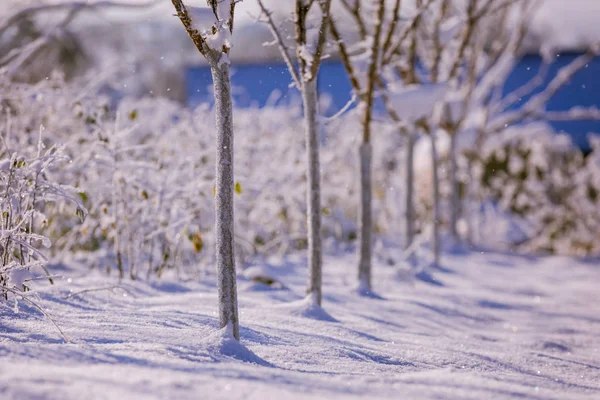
{"x": 144, "y": 170}
{"x": 32, "y": 196}
{"x": 540, "y": 177}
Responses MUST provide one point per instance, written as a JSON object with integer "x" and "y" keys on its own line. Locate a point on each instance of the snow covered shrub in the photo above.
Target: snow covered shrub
{"x": 540, "y": 177}
{"x": 147, "y": 175}
{"x": 144, "y": 168}
{"x": 586, "y": 203}
{"x": 31, "y": 197}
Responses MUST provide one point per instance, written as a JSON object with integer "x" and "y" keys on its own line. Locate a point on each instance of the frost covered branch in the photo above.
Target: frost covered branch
{"x": 72, "y": 7}
{"x": 111, "y": 288}
{"x": 534, "y": 108}
{"x": 26, "y": 298}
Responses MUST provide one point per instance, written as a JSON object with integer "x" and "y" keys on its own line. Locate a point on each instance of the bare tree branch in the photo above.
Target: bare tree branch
{"x": 354, "y": 11}
{"x": 372, "y": 75}
{"x": 534, "y": 107}
{"x": 325, "y": 6}
{"x": 72, "y": 6}
{"x": 574, "y": 114}
{"x": 393, "y": 24}
{"x": 396, "y": 46}
{"x": 280, "y": 43}
{"x": 33, "y": 303}
{"x": 345, "y": 56}
{"x": 186, "y": 20}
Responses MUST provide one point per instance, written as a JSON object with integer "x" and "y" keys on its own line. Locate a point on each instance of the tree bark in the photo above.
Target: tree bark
{"x": 469, "y": 202}
{"x": 313, "y": 195}
{"x": 410, "y": 212}
{"x": 226, "y": 277}
{"x": 436, "y": 201}
{"x": 365, "y": 219}
{"x": 454, "y": 195}
{"x": 365, "y": 152}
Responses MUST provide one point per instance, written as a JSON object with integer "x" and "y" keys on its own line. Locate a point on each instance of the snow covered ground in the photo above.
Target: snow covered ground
{"x": 492, "y": 326}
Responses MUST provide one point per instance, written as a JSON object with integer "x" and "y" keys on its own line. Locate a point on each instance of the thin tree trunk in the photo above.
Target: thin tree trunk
{"x": 410, "y": 212}
{"x": 436, "y": 201}
{"x": 313, "y": 200}
{"x": 454, "y": 198}
{"x": 469, "y": 201}
{"x": 365, "y": 152}
{"x": 365, "y": 219}
{"x": 226, "y": 278}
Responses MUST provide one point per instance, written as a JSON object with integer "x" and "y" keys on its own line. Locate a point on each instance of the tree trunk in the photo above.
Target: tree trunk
{"x": 226, "y": 278}
{"x": 410, "y": 212}
{"x": 436, "y": 202}
{"x": 365, "y": 219}
{"x": 471, "y": 211}
{"x": 313, "y": 198}
{"x": 454, "y": 195}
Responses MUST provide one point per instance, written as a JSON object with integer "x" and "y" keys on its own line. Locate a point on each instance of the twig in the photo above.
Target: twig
{"x": 69, "y": 5}
{"x": 33, "y": 303}
{"x": 342, "y": 111}
{"x": 372, "y": 75}
{"x": 534, "y": 106}
{"x": 318, "y": 55}
{"x": 345, "y": 56}
{"x": 111, "y": 288}
{"x": 282, "y": 47}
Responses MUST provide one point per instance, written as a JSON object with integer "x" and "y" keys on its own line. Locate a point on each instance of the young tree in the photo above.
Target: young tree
{"x": 400, "y": 60}
{"x": 473, "y": 60}
{"x": 214, "y": 44}
{"x": 305, "y": 76}
{"x": 365, "y": 92}
{"x": 390, "y": 45}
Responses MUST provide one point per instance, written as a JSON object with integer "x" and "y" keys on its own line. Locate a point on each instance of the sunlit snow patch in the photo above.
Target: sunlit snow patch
{"x": 414, "y": 102}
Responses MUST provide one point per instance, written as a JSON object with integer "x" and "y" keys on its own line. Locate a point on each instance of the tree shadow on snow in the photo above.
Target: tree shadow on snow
{"x": 427, "y": 277}
{"x": 364, "y": 291}
{"x": 442, "y": 269}
{"x": 219, "y": 346}
{"x": 306, "y": 308}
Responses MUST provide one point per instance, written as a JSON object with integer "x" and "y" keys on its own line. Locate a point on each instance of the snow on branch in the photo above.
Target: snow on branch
{"x": 415, "y": 102}
{"x": 310, "y": 56}
{"x": 342, "y": 111}
{"x": 214, "y": 41}
{"x": 573, "y": 114}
